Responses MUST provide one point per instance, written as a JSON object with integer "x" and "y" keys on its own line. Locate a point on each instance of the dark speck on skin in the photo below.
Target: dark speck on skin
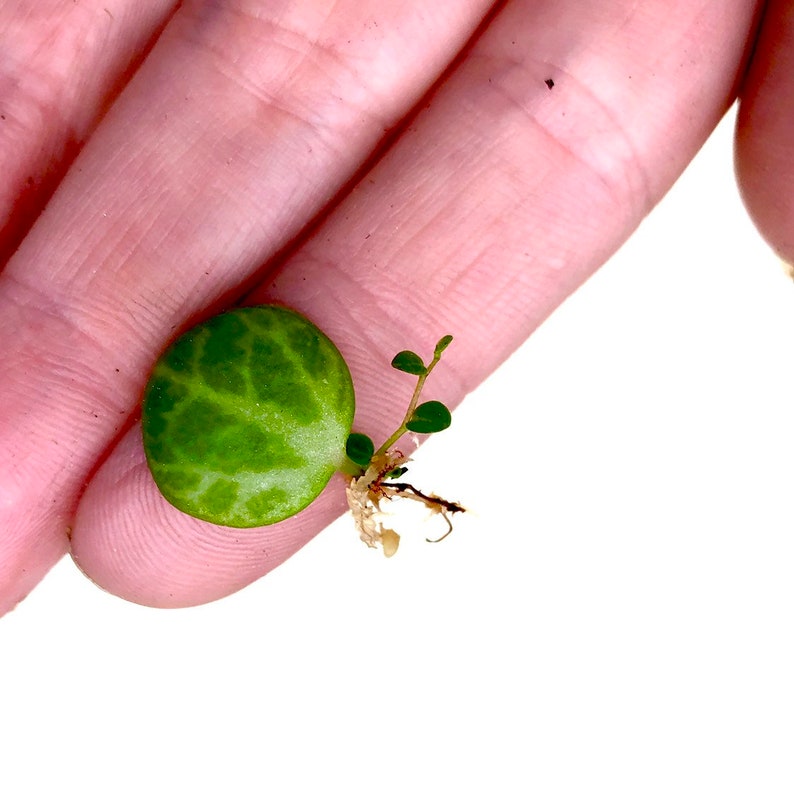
{"x": 550, "y": 83}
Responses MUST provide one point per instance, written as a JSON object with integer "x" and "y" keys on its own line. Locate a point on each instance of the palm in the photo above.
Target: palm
{"x": 494, "y": 202}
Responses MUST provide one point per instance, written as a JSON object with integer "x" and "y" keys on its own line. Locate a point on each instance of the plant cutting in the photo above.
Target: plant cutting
{"x": 247, "y": 416}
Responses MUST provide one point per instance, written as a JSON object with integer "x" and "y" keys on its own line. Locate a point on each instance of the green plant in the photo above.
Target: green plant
{"x": 248, "y": 415}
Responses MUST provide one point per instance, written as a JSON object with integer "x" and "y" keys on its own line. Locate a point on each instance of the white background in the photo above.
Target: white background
{"x": 615, "y": 615}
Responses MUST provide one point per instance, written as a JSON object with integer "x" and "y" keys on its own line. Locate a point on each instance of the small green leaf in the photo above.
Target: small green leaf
{"x": 395, "y": 473}
{"x": 408, "y": 361}
{"x": 360, "y": 449}
{"x": 429, "y": 417}
{"x": 442, "y": 345}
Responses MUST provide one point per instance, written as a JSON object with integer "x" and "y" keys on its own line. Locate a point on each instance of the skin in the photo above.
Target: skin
{"x": 195, "y": 178}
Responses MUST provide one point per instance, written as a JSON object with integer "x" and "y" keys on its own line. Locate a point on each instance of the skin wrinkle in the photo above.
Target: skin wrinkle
{"x": 81, "y": 326}
{"x": 297, "y": 92}
{"x": 279, "y": 115}
{"x": 205, "y": 14}
{"x": 514, "y": 134}
{"x": 35, "y": 313}
{"x": 623, "y": 174}
{"x": 40, "y": 68}
{"x": 470, "y": 179}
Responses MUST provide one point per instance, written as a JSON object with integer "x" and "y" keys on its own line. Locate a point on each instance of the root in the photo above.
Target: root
{"x": 364, "y": 495}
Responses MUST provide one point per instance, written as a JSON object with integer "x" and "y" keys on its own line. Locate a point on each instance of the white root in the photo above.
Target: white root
{"x": 363, "y": 498}
{"x": 364, "y": 494}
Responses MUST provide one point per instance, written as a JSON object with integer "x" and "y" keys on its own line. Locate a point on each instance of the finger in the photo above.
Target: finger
{"x": 242, "y": 123}
{"x": 764, "y": 155}
{"x": 61, "y": 64}
{"x": 531, "y": 164}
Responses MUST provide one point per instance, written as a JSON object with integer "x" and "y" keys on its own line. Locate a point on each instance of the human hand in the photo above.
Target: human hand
{"x": 494, "y": 201}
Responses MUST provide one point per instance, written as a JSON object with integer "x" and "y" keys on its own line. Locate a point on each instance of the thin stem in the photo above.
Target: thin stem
{"x": 402, "y": 429}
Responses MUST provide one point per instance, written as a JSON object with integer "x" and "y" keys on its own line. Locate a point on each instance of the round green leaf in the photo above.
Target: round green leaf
{"x": 429, "y": 417}
{"x": 245, "y": 416}
{"x": 408, "y": 361}
{"x": 360, "y": 449}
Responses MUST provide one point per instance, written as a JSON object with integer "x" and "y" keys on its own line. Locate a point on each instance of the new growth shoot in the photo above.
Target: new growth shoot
{"x": 373, "y": 479}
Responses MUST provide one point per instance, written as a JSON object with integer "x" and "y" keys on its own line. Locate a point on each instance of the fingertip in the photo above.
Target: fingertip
{"x": 132, "y": 543}
{"x": 764, "y": 157}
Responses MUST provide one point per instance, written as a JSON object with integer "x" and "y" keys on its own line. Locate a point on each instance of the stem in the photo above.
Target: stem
{"x": 402, "y": 429}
